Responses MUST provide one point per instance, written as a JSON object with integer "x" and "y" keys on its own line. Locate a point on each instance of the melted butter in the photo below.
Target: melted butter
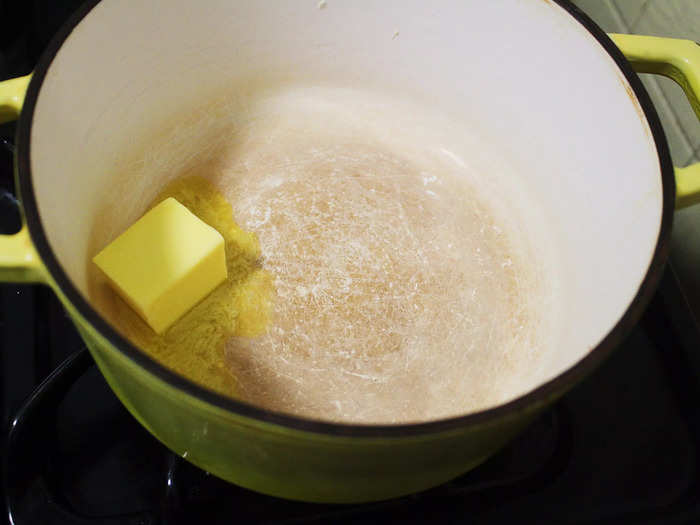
{"x": 241, "y": 306}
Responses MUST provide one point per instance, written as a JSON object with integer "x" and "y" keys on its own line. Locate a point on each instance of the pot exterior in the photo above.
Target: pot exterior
{"x": 291, "y": 463}
{"x": 612, "y": 200}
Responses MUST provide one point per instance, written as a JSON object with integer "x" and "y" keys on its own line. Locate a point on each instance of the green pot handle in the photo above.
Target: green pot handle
{"x": 19, "y": 261}
{"x": 678, "y": 60}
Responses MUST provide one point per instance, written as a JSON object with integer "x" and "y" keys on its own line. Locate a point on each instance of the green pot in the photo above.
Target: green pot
{"x": 542, "y": 78}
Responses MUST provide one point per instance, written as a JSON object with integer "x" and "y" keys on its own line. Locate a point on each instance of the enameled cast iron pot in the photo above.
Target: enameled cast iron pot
{"x": 536, "y": 76}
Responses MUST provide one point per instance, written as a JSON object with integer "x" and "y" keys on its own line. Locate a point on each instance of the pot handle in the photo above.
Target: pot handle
{"x": 11, "y": 97}
{"x": 678, "y": 60}
{"x": 19, "y": 261}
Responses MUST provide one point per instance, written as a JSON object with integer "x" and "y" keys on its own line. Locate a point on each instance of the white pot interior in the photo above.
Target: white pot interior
{"x": 522, "y": 100}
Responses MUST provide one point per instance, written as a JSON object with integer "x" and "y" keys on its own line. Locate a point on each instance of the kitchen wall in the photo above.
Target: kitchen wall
{"x": 679, "y": 19}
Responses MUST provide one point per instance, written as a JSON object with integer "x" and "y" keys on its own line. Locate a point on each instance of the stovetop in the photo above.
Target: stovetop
{"x": 622, "y": 447}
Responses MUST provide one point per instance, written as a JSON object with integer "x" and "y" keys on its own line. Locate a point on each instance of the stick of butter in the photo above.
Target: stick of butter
{"x": 165, "y": 263}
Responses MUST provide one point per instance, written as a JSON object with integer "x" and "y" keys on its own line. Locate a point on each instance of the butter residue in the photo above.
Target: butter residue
{"x": 241, "y": 306}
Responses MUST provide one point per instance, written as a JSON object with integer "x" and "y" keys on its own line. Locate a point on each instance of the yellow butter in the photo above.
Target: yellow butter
{"x": 165, "y": 263}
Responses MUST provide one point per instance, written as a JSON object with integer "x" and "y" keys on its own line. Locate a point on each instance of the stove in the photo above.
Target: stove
{"x": 622, "y": 447}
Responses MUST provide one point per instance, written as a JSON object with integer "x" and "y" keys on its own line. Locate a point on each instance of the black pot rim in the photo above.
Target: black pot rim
{"x": 535, "y": 398}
